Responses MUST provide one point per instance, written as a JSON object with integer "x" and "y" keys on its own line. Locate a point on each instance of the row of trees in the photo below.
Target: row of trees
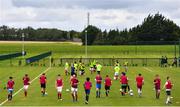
{"x": 41, "y": 34}
{"x": 153, "y": 28}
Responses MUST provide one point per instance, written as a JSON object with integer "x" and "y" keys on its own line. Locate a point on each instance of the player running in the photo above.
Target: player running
{"x": 108, "y": 83}
{"x": 74, "y": 87}
{"x": 126, "y": 66}
{"x": 124, "y": 83}
{"x": 116, "y": 73}
{"x": 157, "y": 84}
{"x": 43, "y": 81}
{"x": 66, "y": 69}
{"x": 140, "y": 83}
{"x": 10, "y": 88}
{"x": 76, "y": 66}
{"x": 87, "y": 88}
{"x": 91, "y": 67}
{"x": 26, "y": 81}
{"x": 59, "y": 86}
{"x": 99, "y": 67}
{"x": 168, "y": 86}
{"x": 98, "y": 80}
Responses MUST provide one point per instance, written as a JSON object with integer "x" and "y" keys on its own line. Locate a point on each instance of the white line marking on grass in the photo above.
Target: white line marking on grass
{"x": 23, "y": 87}
{"x": 148, "y": 69}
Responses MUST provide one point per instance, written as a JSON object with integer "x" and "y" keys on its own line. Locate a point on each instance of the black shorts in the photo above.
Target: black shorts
{"x": 168, "y": 92}
{"x": 43, "y": 85}
{"x": 98, "y": 72}
{"x": 107, "y": 87}
{"x": 123, "y": 87}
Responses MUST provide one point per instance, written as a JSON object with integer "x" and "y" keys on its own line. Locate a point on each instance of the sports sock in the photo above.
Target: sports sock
{"x": 106, "y": 93}
{"x": 97, "y": 93}
{"x": 73, "y": 96}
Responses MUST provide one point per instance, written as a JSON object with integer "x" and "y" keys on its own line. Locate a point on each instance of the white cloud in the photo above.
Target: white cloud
{"x": 71, "y": 14}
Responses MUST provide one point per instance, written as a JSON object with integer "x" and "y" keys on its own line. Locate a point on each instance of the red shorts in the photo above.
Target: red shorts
{"x": 139, "y": 86}
{"x": 157, "y": 87}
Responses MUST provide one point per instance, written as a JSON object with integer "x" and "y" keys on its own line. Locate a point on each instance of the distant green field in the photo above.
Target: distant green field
{"x": 115, "y": 99}
{"x": 68, "y": 50}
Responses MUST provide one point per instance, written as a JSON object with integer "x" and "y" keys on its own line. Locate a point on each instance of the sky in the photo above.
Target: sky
{"x": 72, "y": 14}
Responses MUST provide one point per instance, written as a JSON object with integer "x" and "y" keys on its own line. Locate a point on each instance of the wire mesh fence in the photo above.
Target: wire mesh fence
{"x": 59, "y": 62}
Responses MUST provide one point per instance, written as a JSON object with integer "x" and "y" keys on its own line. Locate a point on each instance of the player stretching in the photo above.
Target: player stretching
{"x": 10, "y": 88}
{"x": 26, "y": 80}
{"x": 87, "y": 87}
{"x": 108, "y": 84}
{"x": 43, "y": 84}
{"x": 66, "y": 68}
{"x": 116, "y": 73}
{"x": 98, "y": 85}
{"x": 74, "y": 87}
{"x": 140, "y": 83}
{"x": 157, "y": 83}
{"x": 168, "y": 85}
{"x": 124, "y": 83}
{"x": 59, "y": 86}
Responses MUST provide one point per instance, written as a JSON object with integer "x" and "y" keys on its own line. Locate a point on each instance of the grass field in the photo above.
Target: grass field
{"x": 35, "y": 99}
{"x": 69, "y": 50}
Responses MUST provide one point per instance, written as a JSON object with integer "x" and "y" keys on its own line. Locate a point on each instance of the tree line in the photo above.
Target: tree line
{"x": 153, "y": 28}
{"x": 40, "y": 34}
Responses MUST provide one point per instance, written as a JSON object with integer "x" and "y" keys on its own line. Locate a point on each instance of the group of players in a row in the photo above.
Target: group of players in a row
{"x": 88, "y": 84}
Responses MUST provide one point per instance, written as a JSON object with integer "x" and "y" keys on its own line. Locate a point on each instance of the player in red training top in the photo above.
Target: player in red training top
{"x": 98, "y": 80}
{"x": 168, "y": 86}
{"x": 43, "y": 81}
{"x": 26, "y": 83}
{"x": 59, "y": 86}
{"x": 124, "y": 83}
{"x": 157, "y": 84}
{"x": 108, "y": 83}
{"x": 140, "y": 83}
{"x": 74, "y": 87}
{"x": 87, "y": 88}
{"x": 10, "y": 88}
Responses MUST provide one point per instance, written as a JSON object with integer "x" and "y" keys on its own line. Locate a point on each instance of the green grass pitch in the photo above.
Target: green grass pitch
{"x": 75, "y": 51}
{"x": 35, "y": 99}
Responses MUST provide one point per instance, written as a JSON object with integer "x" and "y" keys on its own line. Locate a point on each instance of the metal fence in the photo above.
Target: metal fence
{"x": 111, "y": 61}
{"x": 59, "y": 62}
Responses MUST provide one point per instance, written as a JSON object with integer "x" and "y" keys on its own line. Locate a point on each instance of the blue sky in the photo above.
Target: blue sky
{"x": 72, "y": 14}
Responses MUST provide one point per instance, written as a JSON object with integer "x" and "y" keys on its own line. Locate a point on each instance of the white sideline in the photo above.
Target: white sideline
{"x": 23, "y": 88}
{"x": 148, "y": 69}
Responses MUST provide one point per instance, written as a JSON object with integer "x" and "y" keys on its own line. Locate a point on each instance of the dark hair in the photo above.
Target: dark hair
{"x": 123, "y": 73}
{"x": 43, "y": 74}
{"x": 10, "y": 77}
{"x": 168, "y": 77}
{"x": 87, "y": 78}
{"x": 26, "y": 75}
{"x": 107, "y": 75}
{"x": 157, "y": 75}
{"x": 59, "y": 75}
{"x": 139, "y": 74}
